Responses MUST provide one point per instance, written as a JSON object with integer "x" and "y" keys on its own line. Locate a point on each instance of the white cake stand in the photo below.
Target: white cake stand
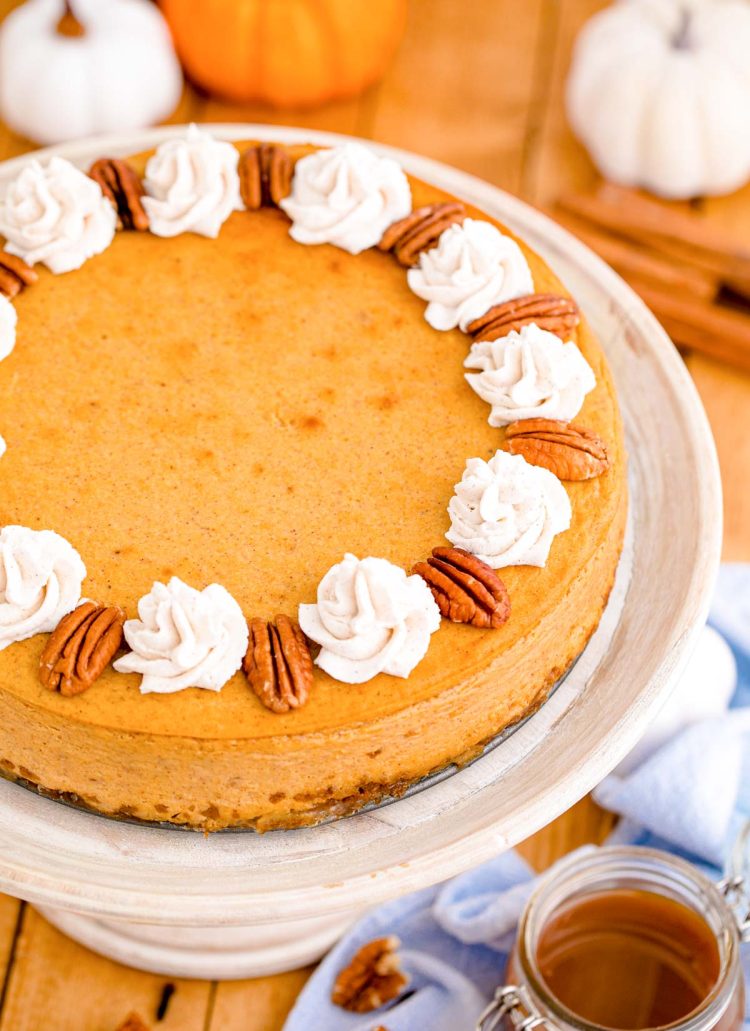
{"x": 241, "y": 904}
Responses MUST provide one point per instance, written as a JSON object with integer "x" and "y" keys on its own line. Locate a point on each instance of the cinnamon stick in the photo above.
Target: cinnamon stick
{"x": 643, "y": 262}
{"x": 632, "y": 215}
{"x": 676, "y": 261}
{"x": 709, "y": 329}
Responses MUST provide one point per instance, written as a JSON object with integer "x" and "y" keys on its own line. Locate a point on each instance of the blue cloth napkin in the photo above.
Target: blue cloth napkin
{"x": 690, "y": 797}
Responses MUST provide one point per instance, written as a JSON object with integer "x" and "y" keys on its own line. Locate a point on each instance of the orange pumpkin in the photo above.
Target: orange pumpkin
{"x": 290, "y": 53}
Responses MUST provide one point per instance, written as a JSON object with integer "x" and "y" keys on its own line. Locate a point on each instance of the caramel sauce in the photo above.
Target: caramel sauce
{"x": 628, "y": 959}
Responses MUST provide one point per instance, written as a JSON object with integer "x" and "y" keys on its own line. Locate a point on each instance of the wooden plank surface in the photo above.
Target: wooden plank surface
{"x": 58, "y": 985}
{"x": 12, "y": 913}
{"x": 479, "y": 85}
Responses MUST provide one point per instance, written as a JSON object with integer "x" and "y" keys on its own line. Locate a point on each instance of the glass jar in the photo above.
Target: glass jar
{"x": 623, "y": 872}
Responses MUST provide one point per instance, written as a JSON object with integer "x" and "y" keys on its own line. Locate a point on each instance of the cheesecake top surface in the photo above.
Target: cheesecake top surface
{"x": 244, "y": 411}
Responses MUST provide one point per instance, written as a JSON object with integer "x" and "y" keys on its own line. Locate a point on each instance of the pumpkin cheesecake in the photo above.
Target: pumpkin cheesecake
{"x": 313, "y": 482}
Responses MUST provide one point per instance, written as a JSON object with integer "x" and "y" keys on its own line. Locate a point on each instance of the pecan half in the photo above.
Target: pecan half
{"x": 465, "y": 588}
{"x": 556, "y": 314}
{"x": 80, "y": 648}
{"x": 278, "y": 664}
{"x": 265, "y": 172}
{"x": 15, "y": 274}
{"x": 373, "y": 978}
{"x": 133, "y": 1022}
{"x": 420, "y": 230}
{"x": 121, "y": 185}
{"x": 570, "y": 452}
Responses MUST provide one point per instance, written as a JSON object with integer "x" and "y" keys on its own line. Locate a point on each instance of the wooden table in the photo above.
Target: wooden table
{"x": 478, "y": 85}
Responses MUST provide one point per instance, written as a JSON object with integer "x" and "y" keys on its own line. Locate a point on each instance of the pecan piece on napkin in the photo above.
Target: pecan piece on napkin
{"x": 80, "y": 648}
{"x": 15, "y": 274}
{"x": 265, "y": 172}
{"x": 278, "y": 664}
{"x": 122, "y": 186}
{"x": 420, "y": 230}
{"x": 465, "y": 588}
{"x": 555, "y": 314}
{"x": 133, "y": 1022}
{"x": 372, "y": 978}
{"x": 570, "y": 452}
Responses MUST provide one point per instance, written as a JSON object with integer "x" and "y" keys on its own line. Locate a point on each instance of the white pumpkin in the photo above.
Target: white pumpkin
{"x": 109, "y": 67}
{"x": 659, "y": 92}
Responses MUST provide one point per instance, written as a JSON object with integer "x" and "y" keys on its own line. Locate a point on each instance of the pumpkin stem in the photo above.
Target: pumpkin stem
{"x": 682, "y": 40}
{"x": 69, "y": 25}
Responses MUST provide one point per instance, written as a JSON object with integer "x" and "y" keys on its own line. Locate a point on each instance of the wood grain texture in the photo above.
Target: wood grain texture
{"x": 478, "y": 85}
{"x": 555, "y": 161}
{"x": 60, "y": 986}
{"x": 12, "y": 913}
{"x": 469, "y": 69}
{"x": 726, "y": 395}
{"x": 260, "y": 1005}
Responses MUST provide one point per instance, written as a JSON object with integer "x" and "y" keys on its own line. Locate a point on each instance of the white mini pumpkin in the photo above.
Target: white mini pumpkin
{"x": 659, "y": 92}
{"x": 110, "y": 67}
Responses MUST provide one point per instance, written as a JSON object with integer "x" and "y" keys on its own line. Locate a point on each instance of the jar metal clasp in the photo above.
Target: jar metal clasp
{"x": 735, "y": 886}
{"x": 511, "y": 1001}
{"x": 736, "y": 891}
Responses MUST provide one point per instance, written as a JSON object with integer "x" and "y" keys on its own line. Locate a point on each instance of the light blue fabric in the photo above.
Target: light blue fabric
{"x": 690, "y": 798}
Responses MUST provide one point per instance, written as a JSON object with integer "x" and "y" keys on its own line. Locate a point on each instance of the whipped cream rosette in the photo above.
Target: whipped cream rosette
{"x": 192, "y": 185}
{"x": 370, "y": 618}
{"x": 40, "y": 582}
{"x": 346, "y": 196}
{"x": 507, "y": 512}
{"x": 8, "y": 321}
{"x": 473, "y": 267}
{"x": 531, "y": 374}
{"x": 56, "y": 214}
{"x": 184, "y": 638}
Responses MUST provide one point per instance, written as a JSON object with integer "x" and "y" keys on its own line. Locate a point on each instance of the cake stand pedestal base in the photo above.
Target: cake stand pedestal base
{"x": 214, "y": 953}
